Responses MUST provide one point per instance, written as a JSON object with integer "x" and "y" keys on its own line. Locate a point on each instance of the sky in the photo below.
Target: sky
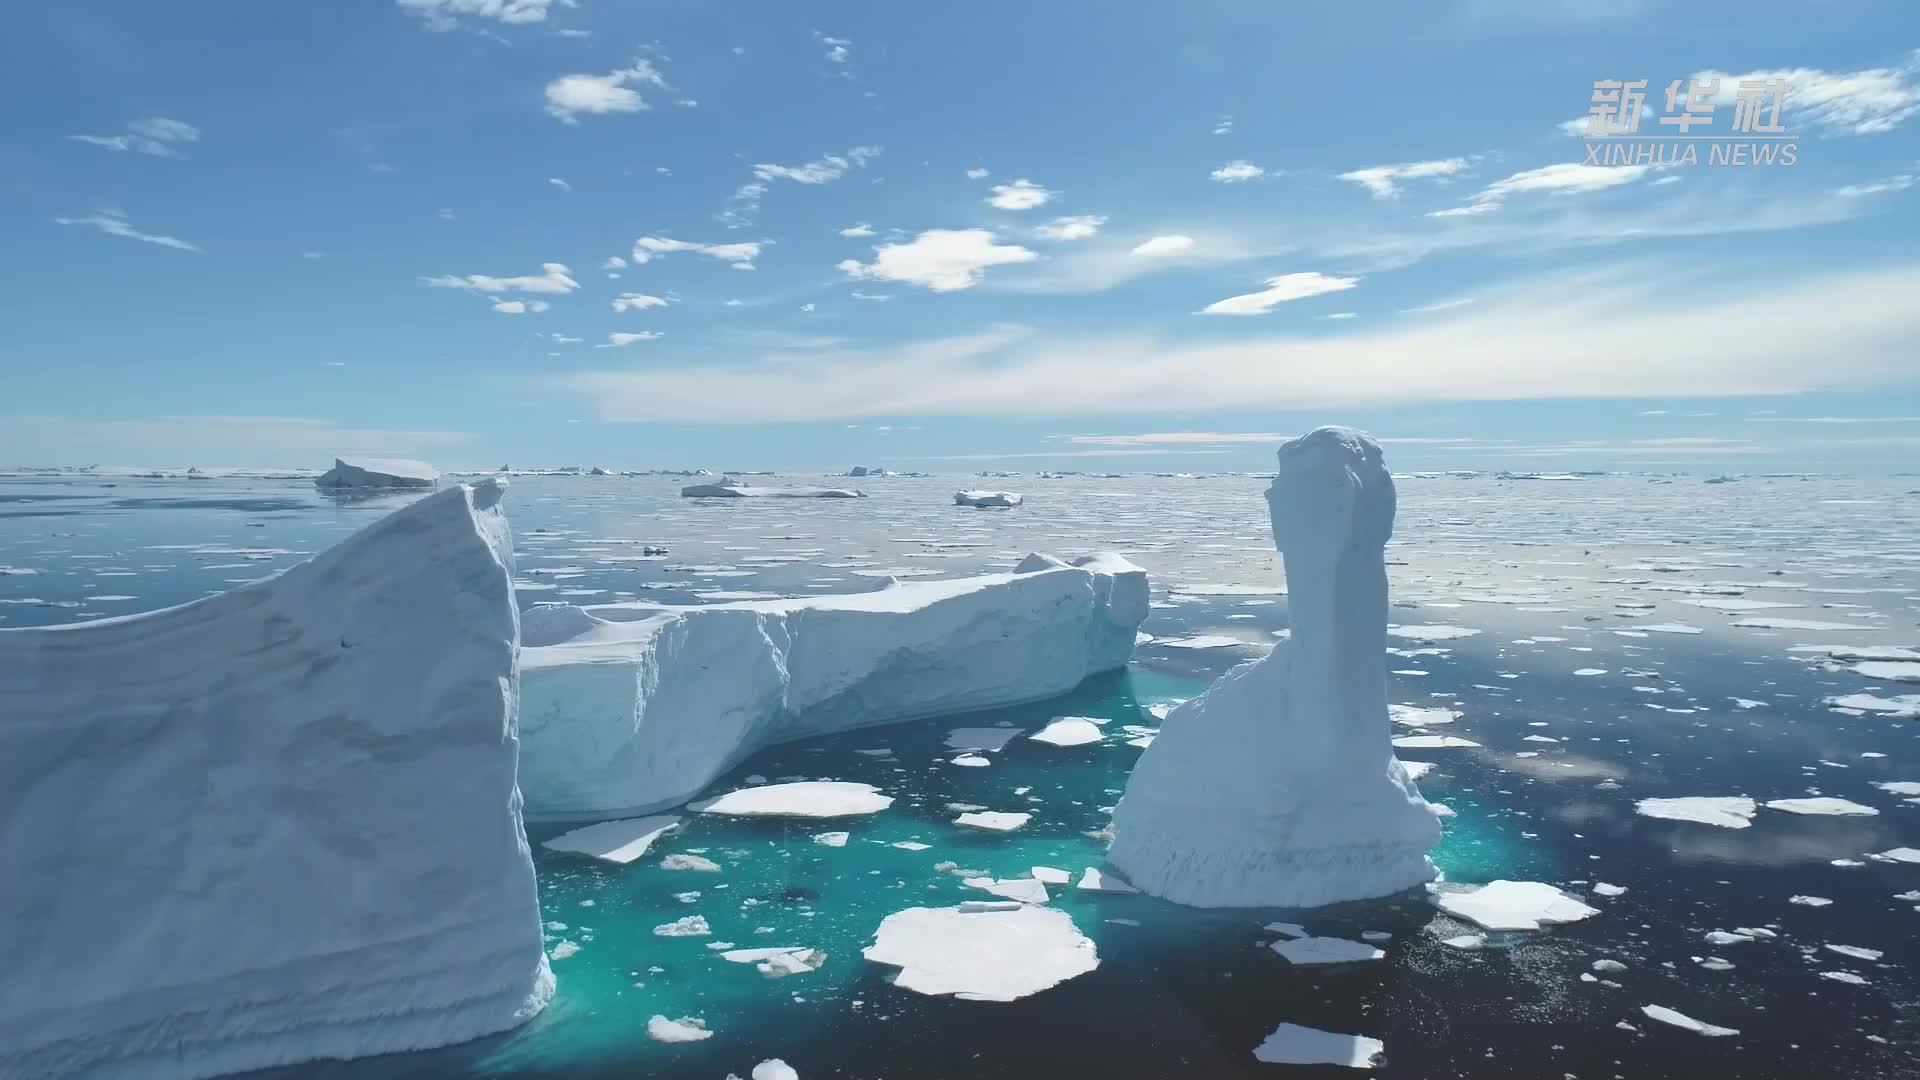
{"x": 993, "y": 236}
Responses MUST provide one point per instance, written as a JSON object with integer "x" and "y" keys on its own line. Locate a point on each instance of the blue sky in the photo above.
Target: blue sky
{"x": 994, "y": 236}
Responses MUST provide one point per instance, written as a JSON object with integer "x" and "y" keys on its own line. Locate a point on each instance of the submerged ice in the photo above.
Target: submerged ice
{"x": 1279, "y": 786}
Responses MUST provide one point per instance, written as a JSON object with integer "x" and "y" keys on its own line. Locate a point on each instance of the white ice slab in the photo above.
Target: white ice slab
{"x": 986, "y": 500}
{"x": 685, "y": 1029}
{"x": 1515, "y": 905}
{"x": 1728, "y": 812}
{"x": 1026, "y": 890}
{"x": 1068, "y": 731}
{"x": 1823, "y": 805}
{"x": 804, "y": 799}
{"x": 1325, "y": 950}
{"x": 620, "y": 841}
{"x": 1094, "y": 880}
{"x": 992, "y": 955}
{"x": 1684, "y": 1022}
{"x": 994, "y": 820}
{"x": 1292, "y": 1044}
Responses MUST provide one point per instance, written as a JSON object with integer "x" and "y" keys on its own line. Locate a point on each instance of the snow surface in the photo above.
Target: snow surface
{"x": 1292, "y": 1044}
{"x": 1514, "y": 905}
{"x": 995, "y": 954}
{"x": 988, "y": 499}
{"x": 620, "y": 841}
{"x": 629, "y": 708}
{"x": 1278, "y": 786}
{"x": 294, "y": 831}
{"x": 377, "y": 473}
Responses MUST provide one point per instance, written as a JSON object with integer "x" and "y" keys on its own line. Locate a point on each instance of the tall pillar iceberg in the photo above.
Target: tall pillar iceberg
{"x": 1278, "y": 787}
{"x": 277, "y": 824}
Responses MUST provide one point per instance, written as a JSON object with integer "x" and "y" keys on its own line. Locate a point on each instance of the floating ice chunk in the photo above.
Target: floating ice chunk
{"x": 1682, "y": 1020}
{"x": 1068, "y": 731}
{"x": 1590, "y": 671}
{"x": 730, "y": 488}
{"x": 1723, "y": 937}
{"x": 1467, "y": 942}
{"x": 1667, "y": 628}
{"x": 293, "y": 833}
{"x": 1288, "y": 929}
{"x": 1733, "y": 603}
{"x": 1847, "y": 977}
{"x": 1809, "y": 901}
{"x": 831, "y": 839}
{"x": 691, "y": 926}
{"x": 910, "y": 845}
{"x": 780, "y": 962}
{"x": 614, "y": 841}
{"x": 1609, "y": 967}
{"x": 1889, "y": 670}
{"x": 1203, "y": 641}
{"x": 1767, "y": 622}
{"x": 1419, "y": 716}
{"x": 981, "y": 738}
{"x": 1899, "y": 787}
{"x": 1432, "y": 742}
{"x": 371, "y": 473}
{"x": 1278, "y": 786}
{"x": 1823, "y": 805}
{"x": 997, "y": 820}
{"x": 1026, "y": 890}
{"x": 1856, "y": 952}
{"x": 645, "y": 706}
{"x": 1903, "y": 707}
{"x": 1051, "y": 876}
{"x": 1515, "y": 905}
{"x": 685, "y": 1029}
{"x": 1292, "y": 1044}
{"x": 564, "y": 950}
{"x": 807, "y": 799}
{"x": 1325, "y": 950}
{"x": 993, "y": 955}
{"x": 698, "y": 863}
{"x": 1211, "y": 589}
{"x": 1603, "y": 889}
{"x": 1728, "y": 812}
{"x": 1432, "y": 633}
{"x": 774, "y": 1069}
{"x": 1094, "y": 880}
{"x": 1417, "y": 769}
{"x": 984, "y": 500}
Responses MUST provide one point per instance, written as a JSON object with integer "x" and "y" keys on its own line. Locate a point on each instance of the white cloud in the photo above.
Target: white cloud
{"x": 648, "y": 248}
{"x": 156, "y": 136}
{"x": 1891, "y": 183}
{"x": 553, "y": 278}
{"x": 1171, "y": 244}
{"x": 1022, "y": 194}
{"x": 637, "y": 302}
{"x": 614, "y": 262}
{"x": 977, "y": 174}
{"x": 617, "y": 340}
{"x": 1866, "y": 102}
{"x": 562, "y": 339}
{"x": 875, "y": 297}
{"x": 1384, "y": 180}
{"x": 1224, "y": 126}
{"x": 828, "y": 167}
{"x": 114, "y": 223}
{"x": 862, "y": 229}
{"x": 807, "y": 306}
{"x": 1740, "y": 329}
{"x": 1439, "y": 305}
{"x": 1561, "y": 178}
{"x": 1469, "y": 210}
{"x": 1070, "y": 228}
{"x": 837, "y": 48}
{"x": 570, "y": 95}
{"x": 242, "y": 440}
{"x": 519, "y": 307}
{"x": 1340, "y": 315}
{"x": 445, "y": 14}
{"x": 940, "y": 260}
{"x": 1279, "y": 290}
{"x": 559, "y": 183}
{"x": 1234, "y": 172}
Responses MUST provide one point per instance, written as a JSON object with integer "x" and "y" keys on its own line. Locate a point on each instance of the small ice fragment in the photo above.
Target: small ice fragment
{"x": 982, "y": 955}
{"x": 1290, "y": 929}
{"x": 1292, "y": 1044}
{"x": 1026, "y": 890}
{"x": 1468, "y": 942}
{"x": 620, "y": 841}
{"x": 1844, "y": 977}
{"x": 972, "y": 761}
{"x": 997, "y": 820}
{"x": 1824, "y": 806}
{"x": 691, "y": 926}
{"x": 1727, "y": 812}
{"x": 1094, "y": 880}
{"x": 1856, "y": 952}
{"x": 563, "y": 950}
{"x": 910, "y": 845}
{"x": 821, "y": 798}
{"x": 831, "y": 839}
{"x": 1682, "y": 1020}
{"x": 1325, "y": 950}
{"x": 1609, "y": 966}
{"x": 1068, "y": 731}
{"x": 685, "y": 1029}
{"x": 1051, "y": 876}
{"x": 1603, "y": 889}
{"x": 1809, "y": 901}
{"x": 1722, "y": 937}
{"x": 690, "y": 862}
{"x": 1515, "y": 905}
{"x": 774, "y": 1069}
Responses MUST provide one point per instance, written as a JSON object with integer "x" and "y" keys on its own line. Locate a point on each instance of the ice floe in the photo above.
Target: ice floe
{"x": 620, "y": 841}
{"x": 985, "y": 500}
{"x": 1728, "y": 812}
{"x": 992, "y": 820}
{"x": 1001, "y": 954}
{"x": 1514, "y": 905}
{"x": 805, "y": 799}
{"x": 1684, "y": 1022}
{"x": 685, "y": 1029}
{"x": 1822, "y": 805}
{"x": 1293, "y": 1044}
{"x": 1325, "y": 950}
{"x": 1068, "y": 731}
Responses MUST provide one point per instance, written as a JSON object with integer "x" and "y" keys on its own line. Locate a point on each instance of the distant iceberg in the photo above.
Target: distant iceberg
{"x": 1278, "y": 787}
{"x": 632, "y": 707}
{"x": 377, "y": 473}
{"x": 274, "y": 825}
{"x": 988, "y": 499}
{"x": 731, "y": 488}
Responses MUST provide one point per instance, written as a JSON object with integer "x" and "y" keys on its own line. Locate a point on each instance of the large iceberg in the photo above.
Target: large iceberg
{"x": 358, "y": 473}
{"x": 273, "y": 825}
{"x": 627, "y": 708}
{"x": 1278, "y": 786}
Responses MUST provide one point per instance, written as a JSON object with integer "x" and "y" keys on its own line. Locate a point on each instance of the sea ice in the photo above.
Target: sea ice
{"x": 1682, "y": 1020}
{"x": 696, "y": 863}
{"x": 1728, "y": 812}
{"x": 632, "y": 707}
{"x": 995, "y": 820}
{"x": 1068, "y": 731}
{"x": 780, "y": 962}
{"x": 1422, "y": 633}
{"x": 774, "y": 1069}
{"x": 1770, "y": 623}
{"x": 988, "y": 499}
{"x": 1026, "y": 890}
{"x": 984, "y": 955}
{"x": 1292, "y": 1044}
{"x": 1278, "y": 786}
{"x": 1903, "y": 707}
{"x": 620, "y": 841}
{"x": 1432, "y": 742}
{"x": 1051, "y": 875}
{"x": 277, "y": 824}
{"x": 371, "y": 473}
{"x": 730, "y": 488}
{"x": 685, "y": 1029}
{"x": 1823, "y": 805}
{"x": 691, "y": 926}
{"x": 1093, "y": 880}
{"x": 1514, "y": 905}
{"x": 806, "y": 799}
{"x": 1325, "y": 950}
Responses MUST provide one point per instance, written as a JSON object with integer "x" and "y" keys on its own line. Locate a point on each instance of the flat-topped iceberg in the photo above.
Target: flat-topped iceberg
{"x": 1278, "y": 786}
{"x": 633, "y": 707}
{"x": 731, "y": 488}
{"x": 988, "y": 500}
{"x": 274, "y": 825}
{"x": 376, "y": 473}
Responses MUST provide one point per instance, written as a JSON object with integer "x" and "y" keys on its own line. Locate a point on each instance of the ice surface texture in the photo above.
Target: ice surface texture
{"x": 273, "y": 825}
{"x": 377, "y": 473}
{"x": 630, "y": 708}
{"x": 1278, "y": 786}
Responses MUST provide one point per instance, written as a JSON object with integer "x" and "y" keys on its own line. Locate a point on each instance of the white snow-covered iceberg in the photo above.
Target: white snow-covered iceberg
{"x": 376, "y": 473}
{"x": 627, "y": 708}
{"x": 1278, "y": 786}
{"x": 274, "y": 825}
{"x": 731, "y": 488}
{"x": 988, "y": 500}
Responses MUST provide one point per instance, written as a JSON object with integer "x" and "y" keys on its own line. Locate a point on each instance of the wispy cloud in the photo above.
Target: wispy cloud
{"x": 1867, "y": 102}
{"x": 939, "y": 260}
{"x": 1022, "y": 194}
{"x": 114, "y": 223}
{"x": 155, "y": 136}
{"x": 739, "y": 255}
{"x": 1236, "y": 172}
{"x": 519, "y": 307}
{"x": 619, "y": 340}
{"x": 1384, "y": 181}
{"x": 446, "y": 14}
{"x": 571, "y": 95}
{"x": 1070, "y": 228}
{"x": 1833, "y": 419}
{"x": 745, "y": 202}
{"x": 637, "y": 302}
{"x": 553, "y": 278}
{"x": 1279, "y": 290}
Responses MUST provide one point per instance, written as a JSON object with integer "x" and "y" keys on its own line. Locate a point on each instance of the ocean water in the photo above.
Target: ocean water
{"x": 1579, "y": 682}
